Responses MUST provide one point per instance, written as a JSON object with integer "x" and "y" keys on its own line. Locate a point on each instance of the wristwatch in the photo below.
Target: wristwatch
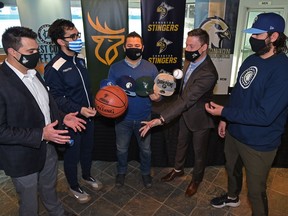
{"x": 162, "y": 120}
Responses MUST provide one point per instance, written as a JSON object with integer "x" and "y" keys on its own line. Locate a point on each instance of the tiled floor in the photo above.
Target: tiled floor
{"x": 163, "y": 199}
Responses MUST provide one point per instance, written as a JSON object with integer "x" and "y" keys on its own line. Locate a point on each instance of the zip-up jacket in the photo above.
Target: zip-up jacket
{"x": 67, "y": 79}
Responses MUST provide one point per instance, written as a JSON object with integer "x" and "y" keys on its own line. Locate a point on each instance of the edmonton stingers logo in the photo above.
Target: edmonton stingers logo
{"x": 113, "y": 37}
{"x": 163, "y": 43}
{"x": 218, "y": 30}
{"x": 43, "y": 34}
{"x": 163, "y": 9}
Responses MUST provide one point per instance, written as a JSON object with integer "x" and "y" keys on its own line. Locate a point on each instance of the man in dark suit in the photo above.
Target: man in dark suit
{"x": 29, "y": 122}
{"x": 200, "y": 77}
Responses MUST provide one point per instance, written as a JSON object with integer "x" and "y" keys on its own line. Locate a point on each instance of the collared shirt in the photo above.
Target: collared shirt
{"x": 37, "y": 89}
{"x": 192, "y": 66}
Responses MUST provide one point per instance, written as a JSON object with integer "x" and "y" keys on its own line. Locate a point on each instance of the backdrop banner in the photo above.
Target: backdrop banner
{"x": 162, "y": 31}
{"x": 219, "y": 19}
{"x": 105, "y": 26}
{"x": 33, "y": 14}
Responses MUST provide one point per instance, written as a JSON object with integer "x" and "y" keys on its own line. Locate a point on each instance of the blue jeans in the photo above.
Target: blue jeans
{"x": 124, "y": 131}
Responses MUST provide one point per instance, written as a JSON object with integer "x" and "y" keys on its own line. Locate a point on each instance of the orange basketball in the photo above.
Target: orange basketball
{"x": 111, "y": 101}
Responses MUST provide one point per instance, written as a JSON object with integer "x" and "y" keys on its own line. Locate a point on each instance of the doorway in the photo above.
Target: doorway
{"x": 248, "y": 10}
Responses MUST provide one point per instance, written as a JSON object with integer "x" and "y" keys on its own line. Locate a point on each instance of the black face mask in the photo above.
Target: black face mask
{"x": 133, "y": 53}
{"x": 29, "y": 61}
{"x": 259, "y": 46}
{"x": 192, "y": 56}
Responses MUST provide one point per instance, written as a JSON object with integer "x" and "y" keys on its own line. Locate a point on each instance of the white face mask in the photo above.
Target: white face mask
{"x": 76, "y": 45}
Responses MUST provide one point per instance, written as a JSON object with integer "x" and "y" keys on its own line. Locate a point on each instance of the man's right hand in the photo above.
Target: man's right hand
{"x": 222, "y": 129}
{"x": 56, "y": 136}
{"x": 88, "y": 111}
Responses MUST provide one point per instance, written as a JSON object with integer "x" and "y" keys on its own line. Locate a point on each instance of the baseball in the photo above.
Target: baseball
{"x": 178, "y": 74}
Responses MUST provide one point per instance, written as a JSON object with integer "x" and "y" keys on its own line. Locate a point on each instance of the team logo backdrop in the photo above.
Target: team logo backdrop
{"x": 219, "y": 19}
{"x": 162, "y": 32}
{"x": 105, "y": 25}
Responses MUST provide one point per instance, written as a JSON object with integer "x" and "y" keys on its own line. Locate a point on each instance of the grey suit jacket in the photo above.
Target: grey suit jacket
{"x": 191, "y": 100}
{"x": 21, "y": 126}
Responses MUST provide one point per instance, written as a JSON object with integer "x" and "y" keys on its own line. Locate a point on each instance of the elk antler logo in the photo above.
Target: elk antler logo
{"x": 110, "y": 36}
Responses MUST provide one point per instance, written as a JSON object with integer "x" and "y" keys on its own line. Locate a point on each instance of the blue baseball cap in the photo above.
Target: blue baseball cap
{"x": 128, "y": 84}
{"x": 267, "y": 22}
{"x": 106, "y": 82}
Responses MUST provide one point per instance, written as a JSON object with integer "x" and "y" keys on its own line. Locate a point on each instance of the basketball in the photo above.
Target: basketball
{"x": 111, "y": 101}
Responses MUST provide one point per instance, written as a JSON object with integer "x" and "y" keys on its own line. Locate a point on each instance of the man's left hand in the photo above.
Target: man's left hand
{"x": 77, "y": 124}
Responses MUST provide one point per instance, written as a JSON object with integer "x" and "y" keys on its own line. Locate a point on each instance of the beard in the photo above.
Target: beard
{"x": 266, "y": 49}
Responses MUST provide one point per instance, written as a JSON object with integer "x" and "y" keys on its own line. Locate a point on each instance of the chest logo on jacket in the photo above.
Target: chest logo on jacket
{"x": 248, "y": 76}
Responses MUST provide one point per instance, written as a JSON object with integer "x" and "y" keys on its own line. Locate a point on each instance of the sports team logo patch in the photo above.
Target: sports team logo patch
{"x": 248, "y": 76}
{"x": 163, "y": 9}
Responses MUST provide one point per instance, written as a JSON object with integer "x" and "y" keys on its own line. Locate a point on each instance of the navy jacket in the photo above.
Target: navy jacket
{"x": 67, "y": 79}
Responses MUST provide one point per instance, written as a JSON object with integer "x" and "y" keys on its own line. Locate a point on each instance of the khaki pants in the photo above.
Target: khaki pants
{"x": 257, "y": 165}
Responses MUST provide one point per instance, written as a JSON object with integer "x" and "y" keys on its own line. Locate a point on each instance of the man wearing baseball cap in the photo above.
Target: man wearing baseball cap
{"x": 256, "y": 114}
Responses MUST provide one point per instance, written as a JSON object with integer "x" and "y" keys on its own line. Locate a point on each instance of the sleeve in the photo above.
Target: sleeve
{"x": 204, "y": 83}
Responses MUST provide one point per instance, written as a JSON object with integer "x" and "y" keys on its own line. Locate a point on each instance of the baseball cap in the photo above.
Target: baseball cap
{"x": 106, "y": 82}
{"x": 164, "y": 84}
{"x": 267, "y": 22}
{"x": 128, "y": 84}
{"x": 144, "y": 86}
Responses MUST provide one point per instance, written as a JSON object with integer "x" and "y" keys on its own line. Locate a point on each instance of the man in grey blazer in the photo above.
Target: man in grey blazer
{"x": 200, "y": 77}
{"x": 29, "y": 122}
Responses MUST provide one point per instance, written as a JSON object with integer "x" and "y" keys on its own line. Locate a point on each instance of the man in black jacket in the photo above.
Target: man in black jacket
{"x": 29, "y": 122}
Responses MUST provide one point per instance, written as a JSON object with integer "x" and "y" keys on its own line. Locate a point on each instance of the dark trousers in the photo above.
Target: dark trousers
{"x": 81, "y": 152}
{"x": 257, "y": 165}
{"x": 44, "y": 182}
{"x": 200, "y": 141}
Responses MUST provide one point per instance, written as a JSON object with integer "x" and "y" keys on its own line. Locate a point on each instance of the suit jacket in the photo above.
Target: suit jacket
{"x": 191, "y": 100}
{"x": 21, "y": 126}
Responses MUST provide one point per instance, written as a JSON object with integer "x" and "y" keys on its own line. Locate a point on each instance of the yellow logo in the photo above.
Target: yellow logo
{"x": 163, "y": 9}
{"x": 113, "y": 37}
{"x": 162, "y": 44}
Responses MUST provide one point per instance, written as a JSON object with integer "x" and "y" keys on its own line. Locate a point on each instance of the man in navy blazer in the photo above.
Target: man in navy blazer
{"x": 29, "y": 123}
{"x": 200, "y": 77}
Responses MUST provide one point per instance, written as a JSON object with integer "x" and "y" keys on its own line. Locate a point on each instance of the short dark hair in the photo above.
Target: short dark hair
{"x": 280, "y": 43}
{"x": 201, "y": 34}
{"x": 57, "y": 29}
{"x": 133, "y": 34}
{"x": 11, "y": 38}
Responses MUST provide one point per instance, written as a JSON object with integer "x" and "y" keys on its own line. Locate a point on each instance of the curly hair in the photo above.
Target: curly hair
{"x": 57, "y": 29}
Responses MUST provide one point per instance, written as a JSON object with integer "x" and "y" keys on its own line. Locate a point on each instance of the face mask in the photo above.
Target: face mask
{"x": 29, "y": 61}
{"x": 76, "y": 45}
{"x": 259, "y": 46}
{"x": 133, "y": 53}
{"x": 192, "y": 56}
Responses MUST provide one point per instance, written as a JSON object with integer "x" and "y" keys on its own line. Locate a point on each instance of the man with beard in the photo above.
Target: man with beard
{"x": 256, "y": 114}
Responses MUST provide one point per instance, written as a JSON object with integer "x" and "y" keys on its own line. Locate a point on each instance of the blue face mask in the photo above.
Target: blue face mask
{"x": 76, "y": 45}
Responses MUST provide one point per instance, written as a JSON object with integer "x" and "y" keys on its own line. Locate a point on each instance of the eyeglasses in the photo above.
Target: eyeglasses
{"x": 74, "y": 36}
